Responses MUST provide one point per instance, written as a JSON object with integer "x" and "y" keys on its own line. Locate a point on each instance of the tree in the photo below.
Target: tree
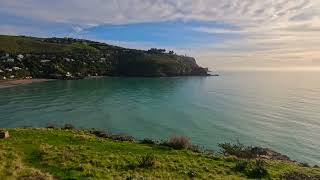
{"x": 156, "y": 51}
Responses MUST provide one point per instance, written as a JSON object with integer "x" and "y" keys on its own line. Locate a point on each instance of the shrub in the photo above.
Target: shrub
{"x": 241, "y": 166}
{"x": 191, "y": 174}
{"x": 68, "y": 127}
{"x": 238, "y": 150}
{"x": 99, "y": 133}
{"x": 148, "y": 141}
{"x": 122, "y": 137}
{"x": 147, "y": 160}
{"x": 179, "y": 142}
{"x": 258, "y": 170}
{"x": 196, "y": 149}
{"x": 51, "y": 126}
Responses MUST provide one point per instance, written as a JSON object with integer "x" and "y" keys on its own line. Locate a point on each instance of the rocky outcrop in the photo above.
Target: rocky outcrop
{"x": 265, "y": 153}
{"x": 145, "y": 64}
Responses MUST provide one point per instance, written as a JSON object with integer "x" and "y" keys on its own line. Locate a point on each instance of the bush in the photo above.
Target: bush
{"x": 68, "y": 127}
{"x": 191, "y": 174}
{"x": 99, "y": 133}
{"x": 196, "y": 149}
{"x": 147, "y": 160}
{"x": 238, "y": 150}
{"x": 258, "y": 170}
{"x": 148, "y": 141}
{"x": 122, "y": 137}
{"x": 241, "y": 166}
{"x": 51, "y": 126}
{"x": 178, "y": 142}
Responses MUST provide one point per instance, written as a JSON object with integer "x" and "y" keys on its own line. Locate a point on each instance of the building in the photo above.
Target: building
{"x": 10, "y": 60}
{"x": 1, "y": 71}
{"x": 10, "y": 70}
{"x": 68, "y": 74}
{"x": 45, "y": 61}
{"x": 16, "y": 68}
{"x": 20, "y": 57}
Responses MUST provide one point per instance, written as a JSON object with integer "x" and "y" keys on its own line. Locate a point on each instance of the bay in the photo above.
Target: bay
{"x": 280, "y": 110}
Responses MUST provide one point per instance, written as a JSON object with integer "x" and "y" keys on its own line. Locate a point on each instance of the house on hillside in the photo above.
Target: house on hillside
{"x": 1, "y": 71}
{"x": 20, "y": 57}
{"x": 68, "y": 74}
{"x": 45, "y": 60}
{"x": 10, "y": 70}
{"x": 16, "y": 68}
{"x": 10, "y": 60}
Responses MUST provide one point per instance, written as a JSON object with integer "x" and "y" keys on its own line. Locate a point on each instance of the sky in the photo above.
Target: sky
{"x": 220, "y": 34}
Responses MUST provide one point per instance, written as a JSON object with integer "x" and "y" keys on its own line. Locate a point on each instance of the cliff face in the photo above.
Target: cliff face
{"x": 76, "y": 58}
{"x": 146, "y": 64}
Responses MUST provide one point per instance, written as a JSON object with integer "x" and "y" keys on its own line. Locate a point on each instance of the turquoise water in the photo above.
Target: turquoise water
{"x": 280, "y": 110}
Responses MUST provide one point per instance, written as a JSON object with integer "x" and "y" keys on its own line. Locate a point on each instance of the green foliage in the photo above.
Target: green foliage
{"x": 148, "y": 141}
{"x": 68, "y": 127}
{"x": 238, "y": 150}
{"x": 147, "y": 160}
{"x": 178, "y": 142}
{"x": 75, "y": 154}
{"x": 156, "y": 51}
{"x": 84, "y": 58}
{"x": 241, "y": 166}
{"x": 258, "y": 170}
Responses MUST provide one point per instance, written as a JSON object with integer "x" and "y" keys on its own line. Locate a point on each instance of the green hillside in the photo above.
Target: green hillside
{"x": 72, "y": 154}
{"x": 54, "y": 57}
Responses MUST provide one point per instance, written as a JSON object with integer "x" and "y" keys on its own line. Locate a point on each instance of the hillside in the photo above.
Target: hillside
{"x": 68, "y": 58}
{"x": 75, "y": 154}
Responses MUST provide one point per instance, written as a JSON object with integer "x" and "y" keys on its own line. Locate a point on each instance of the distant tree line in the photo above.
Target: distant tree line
{"x": 159, "y": 51}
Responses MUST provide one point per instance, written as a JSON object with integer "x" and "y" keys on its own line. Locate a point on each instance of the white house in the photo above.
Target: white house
{"x": 16, "y": 68}
{"x": 68, "y": 74}
{"x": 45, "y": 61}
{"x": 1, "y": 71}
{"x": 20, "y": 57}
{"x": 12, "y": 76}
{"x": 10, "y": 70}
{"x": 67, "y": 59}
{"x": 10, "y": 60}
{"x": 4, "y": 78}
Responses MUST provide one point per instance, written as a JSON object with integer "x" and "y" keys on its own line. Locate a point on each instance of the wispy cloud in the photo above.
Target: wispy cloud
{"x": 256, "y": 32}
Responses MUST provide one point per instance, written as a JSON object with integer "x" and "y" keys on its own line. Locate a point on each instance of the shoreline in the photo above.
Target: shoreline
{"x": 13, "y": 83}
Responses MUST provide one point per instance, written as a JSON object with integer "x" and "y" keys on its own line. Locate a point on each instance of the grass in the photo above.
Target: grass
{"x": 74, "y": 154}
{"x": 20, "y": 44}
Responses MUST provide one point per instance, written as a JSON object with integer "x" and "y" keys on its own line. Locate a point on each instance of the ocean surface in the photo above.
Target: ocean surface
{"x": 280, "y": 110}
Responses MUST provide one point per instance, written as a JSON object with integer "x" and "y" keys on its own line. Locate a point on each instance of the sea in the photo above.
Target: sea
{"x": 275, "y": 109}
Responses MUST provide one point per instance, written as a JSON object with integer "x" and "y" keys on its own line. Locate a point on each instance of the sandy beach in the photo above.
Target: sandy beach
{"x": 12, "y": 83}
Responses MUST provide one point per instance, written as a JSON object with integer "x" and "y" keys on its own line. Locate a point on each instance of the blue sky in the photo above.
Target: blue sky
{"x": 221, "y": 34}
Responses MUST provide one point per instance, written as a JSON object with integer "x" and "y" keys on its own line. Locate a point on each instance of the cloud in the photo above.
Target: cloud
{"x": 269, "y": 31}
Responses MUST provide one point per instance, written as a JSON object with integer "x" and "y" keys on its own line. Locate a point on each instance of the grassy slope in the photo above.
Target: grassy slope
{"x": 15, "y": 44}
{"x": 77, "y": 154}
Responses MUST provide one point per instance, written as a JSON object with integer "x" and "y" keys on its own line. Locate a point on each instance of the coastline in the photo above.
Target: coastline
{"x": 17, "y": 82}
